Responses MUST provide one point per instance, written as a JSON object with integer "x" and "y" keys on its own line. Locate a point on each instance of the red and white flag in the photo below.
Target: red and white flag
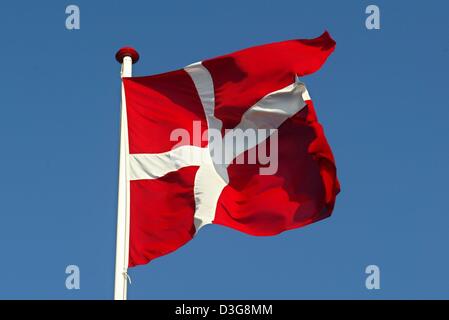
{"x": 233, "y": 141}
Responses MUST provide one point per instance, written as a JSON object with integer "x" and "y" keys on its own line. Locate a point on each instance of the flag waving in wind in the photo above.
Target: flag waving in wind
{"x": 233, "y": 141}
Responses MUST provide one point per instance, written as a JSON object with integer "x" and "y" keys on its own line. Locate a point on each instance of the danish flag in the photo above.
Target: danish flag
{"x": 177, "y": 186}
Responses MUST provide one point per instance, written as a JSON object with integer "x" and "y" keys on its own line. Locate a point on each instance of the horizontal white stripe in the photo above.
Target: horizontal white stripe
{"x": 269, "y": 113}
{"x": 156, "y": 165}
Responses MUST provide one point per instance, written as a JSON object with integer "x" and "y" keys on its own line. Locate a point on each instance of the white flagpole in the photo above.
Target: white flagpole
{"x": 126, "y": 56}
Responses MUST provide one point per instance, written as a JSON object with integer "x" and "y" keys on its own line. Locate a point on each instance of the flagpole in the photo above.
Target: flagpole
{"x": 126, "y": 56}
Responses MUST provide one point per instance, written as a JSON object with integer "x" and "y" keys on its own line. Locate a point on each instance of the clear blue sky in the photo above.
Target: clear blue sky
{"x": 382, "y": 98}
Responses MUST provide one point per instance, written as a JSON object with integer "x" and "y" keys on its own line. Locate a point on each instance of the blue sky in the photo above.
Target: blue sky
{"x": 382, "y": 98}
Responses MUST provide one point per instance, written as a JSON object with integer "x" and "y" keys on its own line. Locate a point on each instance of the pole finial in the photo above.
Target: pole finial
{"x": 127, "y": 52}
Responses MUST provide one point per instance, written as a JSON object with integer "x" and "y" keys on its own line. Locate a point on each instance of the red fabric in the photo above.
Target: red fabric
{"x": 302, "y": 191}
{"x": 161, "y": 215}
{"x": 156, "y": 106}
{"x": 244, "y": 77}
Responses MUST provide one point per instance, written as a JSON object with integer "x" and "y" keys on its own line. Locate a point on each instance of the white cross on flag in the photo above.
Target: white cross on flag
{"x": 233, "y": 141}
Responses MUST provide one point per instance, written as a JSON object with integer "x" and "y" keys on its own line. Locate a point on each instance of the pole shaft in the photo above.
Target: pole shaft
{"x": 122, "y": 240}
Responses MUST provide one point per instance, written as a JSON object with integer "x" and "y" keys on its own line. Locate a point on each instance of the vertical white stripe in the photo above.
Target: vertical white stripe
{"x": 208, "y": 182}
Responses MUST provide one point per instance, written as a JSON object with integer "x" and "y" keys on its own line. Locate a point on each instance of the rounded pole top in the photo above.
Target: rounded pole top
{"x": 127, "y": 52}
